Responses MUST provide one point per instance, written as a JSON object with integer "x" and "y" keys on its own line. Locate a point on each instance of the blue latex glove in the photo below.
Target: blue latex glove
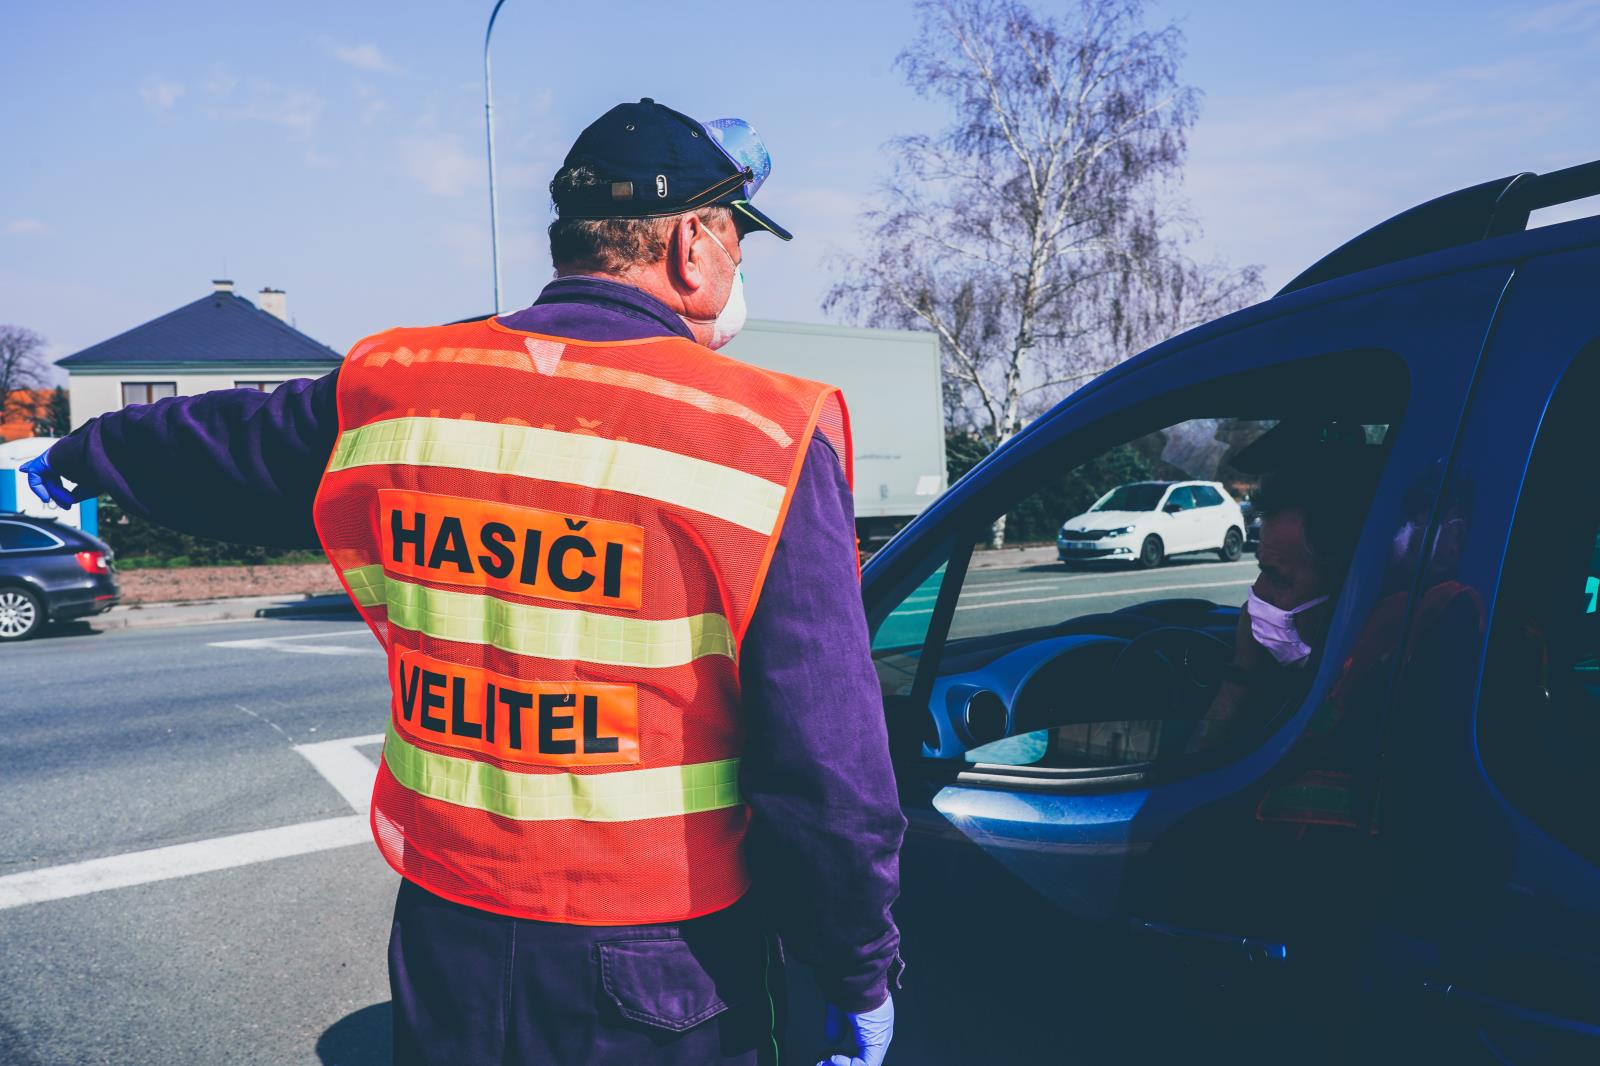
{"x": 46, "y": 484}
{"x": 869, "y": 1033}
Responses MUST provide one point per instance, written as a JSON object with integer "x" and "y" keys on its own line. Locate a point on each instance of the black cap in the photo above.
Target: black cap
{"x": 653, "y": 161}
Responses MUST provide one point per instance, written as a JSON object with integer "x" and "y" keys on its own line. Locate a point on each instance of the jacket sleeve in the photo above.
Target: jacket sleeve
{"x": 826, "y": 826}
{"x": 235, "y": 464}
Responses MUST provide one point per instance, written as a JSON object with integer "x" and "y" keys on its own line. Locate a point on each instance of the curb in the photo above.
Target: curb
{"x": 1012, "y": 558}
{"x": 242, "y": 608}
{"x": 334, "y": 606}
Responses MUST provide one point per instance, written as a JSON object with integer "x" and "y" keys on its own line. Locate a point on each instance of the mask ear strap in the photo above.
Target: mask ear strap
{"x": 718, "y": 240}
{"x": 1318, "y": 602}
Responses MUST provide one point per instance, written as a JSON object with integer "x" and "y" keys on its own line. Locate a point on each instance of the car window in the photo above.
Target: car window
{"x": 14, "y": 536}
{"x": 1043, "y": 611}
{"x": 1057, "y": 573}
{"x": 1131, "y": 498}
{"x": 1207, "y": 496}
{"x": 897, "y": 642}
{"x": 1539, "y": 704}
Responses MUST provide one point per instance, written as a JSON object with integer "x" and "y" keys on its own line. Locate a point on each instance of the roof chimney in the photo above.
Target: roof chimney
{"x": 274, "y": 302}
{"x": 222, "y": 284}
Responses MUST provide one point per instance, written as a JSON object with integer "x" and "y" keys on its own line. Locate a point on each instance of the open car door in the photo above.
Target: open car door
{"x": 1064, "y": 808}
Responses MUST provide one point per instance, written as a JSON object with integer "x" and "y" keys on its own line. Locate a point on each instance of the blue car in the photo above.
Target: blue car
{"x": 1365, "y": 827}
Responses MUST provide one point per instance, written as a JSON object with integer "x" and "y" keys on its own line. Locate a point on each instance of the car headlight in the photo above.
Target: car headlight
{"x": 1122, "y": 532}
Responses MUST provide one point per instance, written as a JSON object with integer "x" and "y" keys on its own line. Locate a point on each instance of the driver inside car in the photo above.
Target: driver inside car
{"x": 1311, "y": 518}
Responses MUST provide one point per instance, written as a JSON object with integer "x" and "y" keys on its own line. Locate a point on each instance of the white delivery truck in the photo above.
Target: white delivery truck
{"x": 892, "y": 385}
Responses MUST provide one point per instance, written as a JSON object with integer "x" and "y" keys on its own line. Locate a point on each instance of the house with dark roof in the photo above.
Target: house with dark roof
{"x": 223, "y": 341}
{"x": 220, "y": 341}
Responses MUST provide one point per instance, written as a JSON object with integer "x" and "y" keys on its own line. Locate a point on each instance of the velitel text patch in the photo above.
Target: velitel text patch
{"x": 542, "y": 723}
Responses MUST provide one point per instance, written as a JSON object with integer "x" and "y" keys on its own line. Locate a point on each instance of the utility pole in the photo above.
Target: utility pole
{"x": 488, "y": 121}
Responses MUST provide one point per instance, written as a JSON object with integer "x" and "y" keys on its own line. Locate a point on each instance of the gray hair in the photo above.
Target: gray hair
{"x": 611, "y": 245}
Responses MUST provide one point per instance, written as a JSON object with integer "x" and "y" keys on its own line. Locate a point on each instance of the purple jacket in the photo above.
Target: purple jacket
{"x": 826, "y": 825}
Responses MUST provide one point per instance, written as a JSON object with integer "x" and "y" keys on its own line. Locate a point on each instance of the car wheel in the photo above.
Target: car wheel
{"x": 21, "y": 614}
{"x": 1151, "y": 553}
{"x": 1232, "y": 546}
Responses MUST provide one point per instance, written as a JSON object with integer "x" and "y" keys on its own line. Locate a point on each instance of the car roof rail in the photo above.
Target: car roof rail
{"x": 1491, "y": 209}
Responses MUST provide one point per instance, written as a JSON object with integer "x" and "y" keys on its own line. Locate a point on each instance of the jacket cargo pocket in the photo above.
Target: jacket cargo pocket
{"x": 667, "y": 983}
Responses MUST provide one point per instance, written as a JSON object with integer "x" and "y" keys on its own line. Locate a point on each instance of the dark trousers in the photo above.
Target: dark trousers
{"x": 473, "y": 988}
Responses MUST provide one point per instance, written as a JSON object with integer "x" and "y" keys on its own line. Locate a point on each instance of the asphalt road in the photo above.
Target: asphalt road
{"x": 997, "y": 601}
{"x": 197, "y": 739}
{"x": 1041, "y": 591}
{"x": 115, "y": 743}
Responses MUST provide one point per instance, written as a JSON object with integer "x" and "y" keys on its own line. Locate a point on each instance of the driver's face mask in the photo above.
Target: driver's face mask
{"x": 1276, "y": 629}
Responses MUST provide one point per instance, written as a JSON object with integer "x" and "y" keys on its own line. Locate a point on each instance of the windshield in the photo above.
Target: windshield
{"x": 1143, "y": 497}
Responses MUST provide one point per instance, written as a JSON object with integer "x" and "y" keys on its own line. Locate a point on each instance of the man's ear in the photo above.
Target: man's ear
{"x": 687, "y": 259}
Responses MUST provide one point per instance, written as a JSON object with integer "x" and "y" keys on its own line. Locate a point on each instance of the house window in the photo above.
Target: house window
{"x": 259, "y": 386}
{"x": 147, "y": 391}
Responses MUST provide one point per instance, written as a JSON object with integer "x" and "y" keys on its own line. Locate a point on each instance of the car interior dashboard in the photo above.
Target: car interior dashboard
{"x": 1039, "y": 697}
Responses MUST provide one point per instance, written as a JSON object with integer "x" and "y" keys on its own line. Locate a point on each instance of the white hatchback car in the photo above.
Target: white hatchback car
{"x": 1146, "y": 521}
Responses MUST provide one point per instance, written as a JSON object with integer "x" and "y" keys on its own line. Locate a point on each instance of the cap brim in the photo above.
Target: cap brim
{"x": 759, "y": 218}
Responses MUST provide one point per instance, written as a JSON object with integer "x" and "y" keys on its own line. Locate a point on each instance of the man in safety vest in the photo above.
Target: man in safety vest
{"x": 635, "y": 734}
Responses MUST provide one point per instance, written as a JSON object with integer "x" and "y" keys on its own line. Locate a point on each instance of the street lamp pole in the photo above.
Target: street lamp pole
{"x": 488, "y": 121}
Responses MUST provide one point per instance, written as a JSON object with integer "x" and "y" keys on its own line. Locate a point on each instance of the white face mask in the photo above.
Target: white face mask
{"x": 1276, "y": 629}
{"x": 730, "y": 320}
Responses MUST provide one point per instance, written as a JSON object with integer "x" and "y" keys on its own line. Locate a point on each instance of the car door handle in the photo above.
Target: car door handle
{"x": 1220, "y": 946}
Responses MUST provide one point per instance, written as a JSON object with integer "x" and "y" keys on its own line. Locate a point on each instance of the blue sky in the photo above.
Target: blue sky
{"x": 336, "y": 150}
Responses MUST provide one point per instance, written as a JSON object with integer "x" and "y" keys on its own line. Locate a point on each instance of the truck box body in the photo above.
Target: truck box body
{"x": 891, "y": 382}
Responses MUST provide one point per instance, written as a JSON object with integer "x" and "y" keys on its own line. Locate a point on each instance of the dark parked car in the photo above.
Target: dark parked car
{"x": 50, "y": 572}
{"x": 1394, "y": 853}
{"x": 1252, "y": 525}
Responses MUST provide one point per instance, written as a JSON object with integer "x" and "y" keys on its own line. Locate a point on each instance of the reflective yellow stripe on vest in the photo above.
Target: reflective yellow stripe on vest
{"x": 571, "y": 458}
{"x": 620, "y": 796}
{"x": 543, "y": 632}
{"x": 366, "y": 585}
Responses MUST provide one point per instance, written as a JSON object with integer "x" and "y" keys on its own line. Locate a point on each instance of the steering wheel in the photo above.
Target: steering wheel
{"x": 1172, "y": 671}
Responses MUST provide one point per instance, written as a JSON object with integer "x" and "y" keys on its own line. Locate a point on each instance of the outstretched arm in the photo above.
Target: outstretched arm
{"x": 235, "y": 464}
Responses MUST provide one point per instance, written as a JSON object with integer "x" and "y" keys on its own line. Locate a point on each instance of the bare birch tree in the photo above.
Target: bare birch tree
{"x": 1037, "y": 234}
{"x": 22, "y": 368}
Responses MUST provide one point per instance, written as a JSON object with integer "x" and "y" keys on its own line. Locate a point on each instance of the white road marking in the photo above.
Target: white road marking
{"x": 345, "y": 768}
{"x": 285, "y": 644}
{"x": 968, "y": 591}
{"x": 1178, "y": 561}
{"x": 1047, "y": 581}
{"x": 1043, "y": 578}
{"x": 338, "y": 761}
{"x": 1087, "y": 596}
{"x": 180, "y": 860}
{"x": 325, "y": 633}
{"x": 990, "y": 590}
{"x": 1103, "y": 595}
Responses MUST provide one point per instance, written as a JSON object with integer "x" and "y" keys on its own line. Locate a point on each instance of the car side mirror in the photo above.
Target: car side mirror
{"x": 1173, "y": 508}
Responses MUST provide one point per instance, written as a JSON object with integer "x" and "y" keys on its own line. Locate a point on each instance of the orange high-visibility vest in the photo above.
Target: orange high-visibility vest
{"x": 560, "y": 545}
